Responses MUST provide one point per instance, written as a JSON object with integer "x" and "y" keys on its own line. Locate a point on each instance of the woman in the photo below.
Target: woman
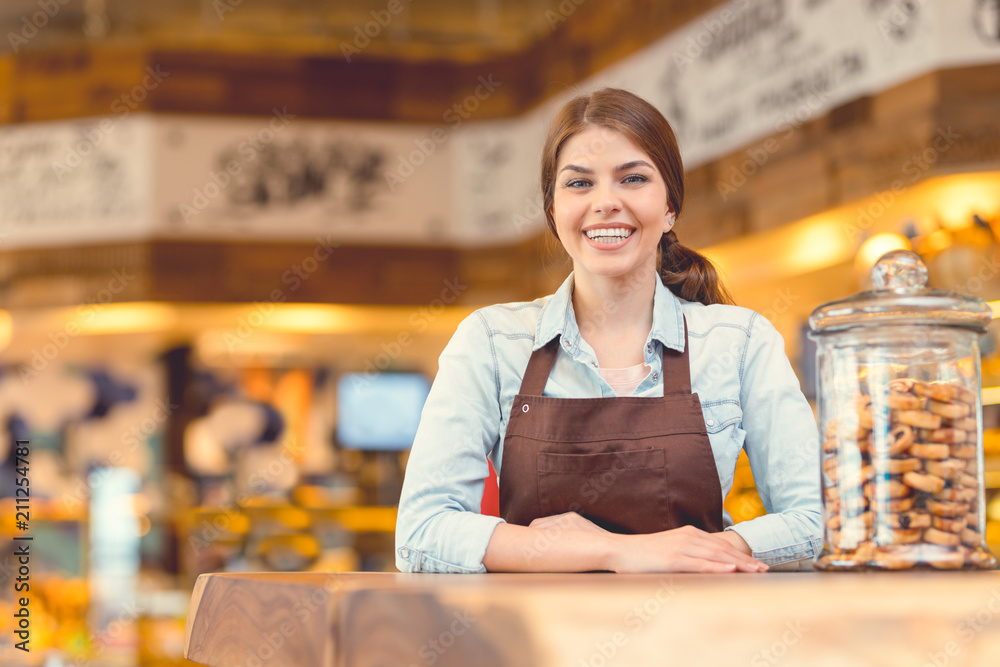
{"x": 615, "y": 409}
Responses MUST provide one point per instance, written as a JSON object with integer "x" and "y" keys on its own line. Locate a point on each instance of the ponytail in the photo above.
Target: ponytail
{"x": 689, "y": 274}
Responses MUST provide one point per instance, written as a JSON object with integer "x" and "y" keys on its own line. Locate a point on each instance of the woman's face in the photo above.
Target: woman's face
{"x": 610, "y": 204}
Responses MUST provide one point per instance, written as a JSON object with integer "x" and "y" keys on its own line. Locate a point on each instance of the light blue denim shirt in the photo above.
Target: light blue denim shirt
{"x": 749, "y": 395}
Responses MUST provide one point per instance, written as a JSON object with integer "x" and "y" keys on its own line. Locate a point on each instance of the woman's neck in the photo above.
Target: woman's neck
{"x": 615, "y": 315}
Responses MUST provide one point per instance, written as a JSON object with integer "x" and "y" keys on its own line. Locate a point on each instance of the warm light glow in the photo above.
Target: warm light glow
{"x": 995, "y": 307}
{"x": 144, "y": 525}
{"x": 875, "y": 247}
{"x": 6, "y": 329}
{"x": 811, "y": 244}
{"x": 959, "y": 197}
{"x": 936, "y": 241}
{"x": 125, "y": 318}
{"x": 301, "y": 318}
{"x": 991, "y": 395}
{"x": 815, "y": 246}
{"x": 830, "y": 238}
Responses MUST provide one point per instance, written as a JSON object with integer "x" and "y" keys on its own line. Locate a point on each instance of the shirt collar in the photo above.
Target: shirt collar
{"x": 558, "y": 318}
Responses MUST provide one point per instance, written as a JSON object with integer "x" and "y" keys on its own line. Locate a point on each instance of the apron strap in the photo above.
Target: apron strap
{"x": 539, "y": 367}
{"x": 676, "y": 365}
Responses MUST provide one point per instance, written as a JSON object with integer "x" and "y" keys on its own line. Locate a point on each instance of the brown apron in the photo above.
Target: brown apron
{"x": 629, "y": 464}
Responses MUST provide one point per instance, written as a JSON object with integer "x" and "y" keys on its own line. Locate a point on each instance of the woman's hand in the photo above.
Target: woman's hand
{"x": 685, "y": 549}
{"x": 567, "y": 521}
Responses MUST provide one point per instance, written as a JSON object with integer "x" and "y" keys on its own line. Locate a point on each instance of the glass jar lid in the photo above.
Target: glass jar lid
{"x": 900, "y": 296}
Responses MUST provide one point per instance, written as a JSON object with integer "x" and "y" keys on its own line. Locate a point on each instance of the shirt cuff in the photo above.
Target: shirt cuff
{"x": 464, "y": 556}
{"x": 773, "y": 543}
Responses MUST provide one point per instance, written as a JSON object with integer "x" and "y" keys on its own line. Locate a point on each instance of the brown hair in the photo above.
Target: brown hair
{"x": 687, "y": 273}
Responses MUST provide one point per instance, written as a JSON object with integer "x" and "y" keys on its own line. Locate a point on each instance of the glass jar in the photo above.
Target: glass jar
{"x": 900, "y": 416}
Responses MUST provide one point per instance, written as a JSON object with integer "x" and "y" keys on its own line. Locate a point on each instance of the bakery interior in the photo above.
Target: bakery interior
{"x": 236, "y": 234}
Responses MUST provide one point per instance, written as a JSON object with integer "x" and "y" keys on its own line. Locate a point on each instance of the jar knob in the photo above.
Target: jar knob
{"x": 899, "y": 270}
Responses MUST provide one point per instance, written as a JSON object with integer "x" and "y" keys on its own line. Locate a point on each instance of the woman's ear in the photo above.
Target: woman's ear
{"x": 668, "y": 221}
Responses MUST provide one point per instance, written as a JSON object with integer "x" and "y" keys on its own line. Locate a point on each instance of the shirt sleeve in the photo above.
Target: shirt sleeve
{"x": 782, "y": 444}
{"x": 439, "y": 527}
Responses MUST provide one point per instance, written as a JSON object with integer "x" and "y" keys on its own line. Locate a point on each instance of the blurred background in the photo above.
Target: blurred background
{"x": 236, "y": 234}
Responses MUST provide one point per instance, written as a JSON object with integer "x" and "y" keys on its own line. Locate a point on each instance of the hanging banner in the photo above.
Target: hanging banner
{"x": 71, "y": 182}
{"x": 286, "y": 178}
{"x": 754, "y": 68}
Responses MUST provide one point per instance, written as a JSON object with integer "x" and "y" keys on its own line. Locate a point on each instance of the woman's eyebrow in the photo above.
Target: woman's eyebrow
{"x": 632, "y": 165}
{"x": 621, "y": 167}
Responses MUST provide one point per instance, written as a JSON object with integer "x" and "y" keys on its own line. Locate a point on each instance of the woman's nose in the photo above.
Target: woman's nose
{"x": 606, "y": 200}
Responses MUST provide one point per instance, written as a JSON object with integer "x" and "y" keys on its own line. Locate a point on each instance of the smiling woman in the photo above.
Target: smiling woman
{"x": 613, "y": 410}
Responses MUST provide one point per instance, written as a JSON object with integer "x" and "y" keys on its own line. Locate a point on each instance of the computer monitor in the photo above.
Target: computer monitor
{"x": 379, "y": 411}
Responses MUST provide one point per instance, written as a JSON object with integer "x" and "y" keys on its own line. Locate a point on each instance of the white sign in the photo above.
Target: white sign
{"x": 77, "y": 182}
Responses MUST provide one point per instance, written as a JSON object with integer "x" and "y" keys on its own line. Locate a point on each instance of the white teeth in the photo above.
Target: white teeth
{"x": 609, "y": 235}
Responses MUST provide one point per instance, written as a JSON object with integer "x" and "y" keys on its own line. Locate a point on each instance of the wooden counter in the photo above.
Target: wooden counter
{"x": 592, "y": 620}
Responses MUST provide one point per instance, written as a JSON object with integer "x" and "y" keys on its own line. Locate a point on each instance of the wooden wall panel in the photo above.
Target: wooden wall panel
{"x": 75, "y": 83}
{"x": 411, "y": 84}
{"x": 216, "y": 271}
{"x": 7, "y": 91}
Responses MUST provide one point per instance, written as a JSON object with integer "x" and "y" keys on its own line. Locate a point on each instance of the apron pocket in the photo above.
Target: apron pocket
{"x": 621, "y": 491}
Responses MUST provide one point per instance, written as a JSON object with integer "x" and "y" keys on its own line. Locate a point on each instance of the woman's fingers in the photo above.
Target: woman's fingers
{"x": 683, "y": 550}
{"x": 721, "y": 550}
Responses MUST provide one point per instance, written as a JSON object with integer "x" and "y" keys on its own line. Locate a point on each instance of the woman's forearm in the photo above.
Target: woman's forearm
{"x": 551, "y": 549}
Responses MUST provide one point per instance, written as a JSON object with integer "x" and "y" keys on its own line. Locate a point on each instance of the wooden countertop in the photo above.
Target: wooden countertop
{"x": 907, "y": 619}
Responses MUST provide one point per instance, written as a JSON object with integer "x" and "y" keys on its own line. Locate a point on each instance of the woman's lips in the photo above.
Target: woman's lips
{"x": 608, "y": 243}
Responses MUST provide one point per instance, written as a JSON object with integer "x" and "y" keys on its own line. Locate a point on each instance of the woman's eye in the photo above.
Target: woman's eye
{"x": 577, "y": 183}
{"x": 635, "y": 178}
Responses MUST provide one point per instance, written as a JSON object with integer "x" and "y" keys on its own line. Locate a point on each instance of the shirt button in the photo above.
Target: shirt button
{"x": 711, "y": 422}
{"x": 656, "y": 375}
{"x": 594, "y": 364}
{"x": 649, "y": 347}
{"x": 404, "y": 552}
